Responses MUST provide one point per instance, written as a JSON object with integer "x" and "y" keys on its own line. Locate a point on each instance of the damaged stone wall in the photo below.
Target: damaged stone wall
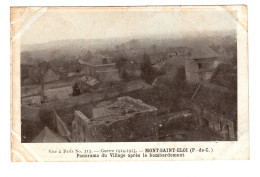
{"x": 124, "y": 129}
{"x": 227, "y": 127}
{"x": 62, "y": 128}
{"x": 80, "y": 121}
{"x": 215, "y": 122}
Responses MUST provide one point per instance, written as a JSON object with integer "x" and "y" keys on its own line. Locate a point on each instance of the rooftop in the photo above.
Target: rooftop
{"x": 226, "y": 76}
{"x": 220, "y": 94}
{"x": 203, "y": 53}
{"x": 96, "y": 60}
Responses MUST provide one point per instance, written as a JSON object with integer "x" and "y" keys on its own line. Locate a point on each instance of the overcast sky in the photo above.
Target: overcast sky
{"x": 61, "y": 25}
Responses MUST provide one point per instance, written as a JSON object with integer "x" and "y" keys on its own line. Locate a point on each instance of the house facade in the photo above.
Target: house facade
{"x": 215, "y": 106}
{"x": 101, "y": 68}
{"x": 201, "y": 65}
{"x": 50, "y": 76}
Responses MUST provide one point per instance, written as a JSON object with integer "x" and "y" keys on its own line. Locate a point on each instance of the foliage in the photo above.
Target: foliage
{"x": 125, "y": 76}
{"x": 147, "y": 71}
{"x": 89, "y": 55}
{"x": 76, "y": 90}
{"x": 171, "y": 89}
{"x": 120, "y": 62}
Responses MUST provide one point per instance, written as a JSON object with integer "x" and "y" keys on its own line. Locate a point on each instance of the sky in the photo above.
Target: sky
{"x": 52, "y": 25}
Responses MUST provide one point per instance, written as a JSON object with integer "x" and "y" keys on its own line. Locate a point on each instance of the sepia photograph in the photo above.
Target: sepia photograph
{"x": 127, "y": 74}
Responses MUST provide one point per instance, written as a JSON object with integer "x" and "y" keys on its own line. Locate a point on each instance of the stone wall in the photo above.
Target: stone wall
{"x": 29, "y": 130}
{"x": 228, "y": 129}
{"x": 58, "y": 93}
{"x": 31, "y": 123}
{"x": 192, "y": 77}
{"x": 48, "y": 118}
{"x": 125, "y": 129}
{"x": 61, "y": 128}
{"x": 191, "y": 66}
{"x": 95, "y": 96}
{"x": 92, "y": 69}
{"x": 30, "y": 90}
{"x": 217, "y": 123}
{"x": 78, "y": 124}
{"x": 105, "y": 67}
{"x": 31, "y": 100}
{"x": 195, "y": 74}
{"x": 30, "y": 113}
{"x": 108, "y": 76}
{"x": 138, "y": 102}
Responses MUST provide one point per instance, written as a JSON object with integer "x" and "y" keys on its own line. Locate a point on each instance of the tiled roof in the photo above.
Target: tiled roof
{"x": 217, "y": 100}
{"x": 225, "y": 76}
{"x": 203, "y": 53}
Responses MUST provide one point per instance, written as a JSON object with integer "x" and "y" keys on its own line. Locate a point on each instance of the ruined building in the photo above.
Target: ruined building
{"x": 101, "y": 68}
{"x": 42, "y": 125}
{"x": 121, "y": 120}
{"x": 215, "y": 103}
{"x": 50, "y": 76}
{"x": 200, "y": 65}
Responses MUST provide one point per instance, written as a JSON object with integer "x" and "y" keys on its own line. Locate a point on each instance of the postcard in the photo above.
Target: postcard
{"x": 129, "y": 83}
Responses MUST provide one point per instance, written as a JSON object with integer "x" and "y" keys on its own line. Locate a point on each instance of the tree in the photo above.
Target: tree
{"x": 44, "y": 66}
{"x": 26, "y": 57}
{"x": 147, "y": 72}
{"x": 120, "y": 63}
{"x": 125, "y": 76}
{"x": 180, "y": 78}
{"x": 76, "y": 90}
{"x": 171, "y": 89}
{"x": 89, "y": 55}
{"x": 117, "y": 47}
{"x": 154, "y": 47}
{"x": 134, "y": 43}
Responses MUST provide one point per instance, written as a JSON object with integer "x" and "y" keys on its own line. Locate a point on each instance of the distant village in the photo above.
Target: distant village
{"x": 131, "y": 94}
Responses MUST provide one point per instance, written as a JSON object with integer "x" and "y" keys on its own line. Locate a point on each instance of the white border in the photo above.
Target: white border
{"x": 213, "y": 168}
